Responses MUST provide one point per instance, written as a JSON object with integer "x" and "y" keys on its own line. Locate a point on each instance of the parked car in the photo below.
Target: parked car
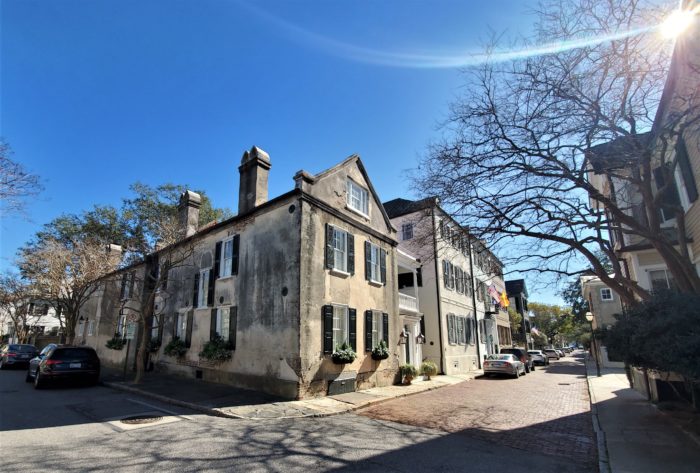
{"x": 16, "y": 354}
{"x": 551, "y": 353}
{"x": 504, "y": 364}
{"x": 522, "y": 355}
{"x": 561, "y": 352}
{"x": 64, "y": 363}
{"x": 538, "y": 357}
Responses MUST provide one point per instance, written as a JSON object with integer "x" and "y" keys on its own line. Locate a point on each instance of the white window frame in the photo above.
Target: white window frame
{"x": 666, "y": 274}
{"x": 375, "y": 274}
{"x": 203, "y": 290}
{"x": 606, "y": 294}
{"x": 340, "y": 249}
{"x": 91, "y": 328}
{"x": 377, "y": 328}
{"x": 223, "y": 320}
{"x": 156, "y": 326}
{"x": 226, "y": 267}
{"x": 357, "y": 198}
{"x": 341, "y": 324}
{"x": 407, "y": 231}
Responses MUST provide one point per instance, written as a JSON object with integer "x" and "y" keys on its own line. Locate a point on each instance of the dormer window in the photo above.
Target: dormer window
{"x": 358, "y": 198}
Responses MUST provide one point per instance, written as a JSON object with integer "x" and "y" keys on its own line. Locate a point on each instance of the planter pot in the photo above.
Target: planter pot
{"x": 340, "y": 361}
{"x": 379, "y": 357}
{"x": 426, "y": 377}
{"x": 407, "y": 380}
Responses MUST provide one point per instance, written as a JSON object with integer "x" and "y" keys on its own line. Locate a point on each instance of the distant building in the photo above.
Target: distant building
{"x": 604, "y": 304}
{"x": 517, "y": 293}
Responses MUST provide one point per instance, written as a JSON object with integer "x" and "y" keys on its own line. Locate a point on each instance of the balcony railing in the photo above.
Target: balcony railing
{"x": 407, "y": 302}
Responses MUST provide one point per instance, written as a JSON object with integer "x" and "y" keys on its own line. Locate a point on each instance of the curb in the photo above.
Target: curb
{"x": 169, "y": 400}
{"x": 603, "y": 459}
{"x": 219, "y": 413}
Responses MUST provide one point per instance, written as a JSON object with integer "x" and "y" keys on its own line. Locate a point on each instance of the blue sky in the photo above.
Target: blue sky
{"x": 99, "y": 94}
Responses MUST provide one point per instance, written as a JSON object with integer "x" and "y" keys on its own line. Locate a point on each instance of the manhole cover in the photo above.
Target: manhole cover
{"x": 140, "y": 420}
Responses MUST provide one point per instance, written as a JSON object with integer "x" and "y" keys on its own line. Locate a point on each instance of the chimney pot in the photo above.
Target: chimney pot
{"x": 188, "y": 213}
{"x": 254, "y": 171}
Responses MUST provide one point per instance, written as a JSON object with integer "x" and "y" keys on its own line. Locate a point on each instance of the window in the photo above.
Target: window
{"x": 340, "y": 325}
{"x": 155, "y": 327}
{"x": 358, "y": 198}
{"x": 121, "y": 325}
{"x": 203, "y": 289}
{"x": 377, "y": 328}
{"x": 127, "y": 289}
{"x": 91, "y": 328}
{"x": 606, "y": 294}
{"x": 181, "y": 326}
{"x": 467, "y": 283}
{"x": 459, "y": 281}
{"x": 448, "y": 274}
{"x": 223, "y": 316}
{"x": 81, "y": 328}
{"x": 406, "y": 231}
{"x": 373, "y": 262}
{"x": 686, "y": 171}
{"x": 340, "y": 249}
{"x": 670, "y": 199}
{"x": 661, "y": 280}
{"x": 229, "y": 256}
{"x": 461, "y": 339}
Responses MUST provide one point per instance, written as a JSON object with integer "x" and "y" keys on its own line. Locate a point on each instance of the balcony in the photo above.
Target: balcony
{"x": 408, "y": 303}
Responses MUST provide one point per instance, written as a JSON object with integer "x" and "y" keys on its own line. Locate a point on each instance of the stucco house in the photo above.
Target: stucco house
{"x": 284, "y": 282}
{"x": 604, "y": 304}
{"x": 461, "y": 321}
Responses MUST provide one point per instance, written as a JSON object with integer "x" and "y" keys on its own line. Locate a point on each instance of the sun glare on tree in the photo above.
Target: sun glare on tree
{"x": 677, "y": 22}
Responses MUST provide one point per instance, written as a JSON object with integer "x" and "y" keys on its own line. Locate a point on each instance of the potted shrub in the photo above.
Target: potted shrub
{"x": 217, "y": 349}
{"x": 343, "y": 354}
{"x": 176, "y": 348}
{"x": 381, "y": 351}
{"x": 116, "y": 342}
{"x": 428, "y": 369}
{"x": 408, "y": 372}
{"x": 153, "y": 345}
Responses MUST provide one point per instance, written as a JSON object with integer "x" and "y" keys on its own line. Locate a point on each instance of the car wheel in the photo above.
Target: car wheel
{"x": 527, "y": 369}
{"x": 38, "y": 382}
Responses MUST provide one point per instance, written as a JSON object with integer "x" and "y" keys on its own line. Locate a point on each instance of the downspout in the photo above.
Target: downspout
{"x": 476, "y": 317}
{"x": 439, "y": 298}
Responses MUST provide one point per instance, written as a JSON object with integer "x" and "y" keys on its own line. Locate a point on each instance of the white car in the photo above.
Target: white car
{"x": 505, "y": 363}
{"x": 538, "y": 357}
{"x": 551, "y": 353}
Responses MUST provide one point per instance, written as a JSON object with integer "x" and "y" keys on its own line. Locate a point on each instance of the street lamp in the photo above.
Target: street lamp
{"x": 589, "y": 317}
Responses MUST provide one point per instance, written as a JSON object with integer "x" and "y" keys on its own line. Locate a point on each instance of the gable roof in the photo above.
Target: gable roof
{"x": 356, "y": 160}
{"x": 398, "y": 207}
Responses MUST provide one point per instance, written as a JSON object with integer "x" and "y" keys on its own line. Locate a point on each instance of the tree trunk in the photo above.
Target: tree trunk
{"x": 141, "y": 351}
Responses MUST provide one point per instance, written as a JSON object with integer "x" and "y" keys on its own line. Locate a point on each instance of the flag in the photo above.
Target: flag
{"x": 504, "y": 299}
{"x": 535, "y": 331}
{"x": 493, "y": 293}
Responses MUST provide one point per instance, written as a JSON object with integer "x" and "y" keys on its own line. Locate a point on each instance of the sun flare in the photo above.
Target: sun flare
{"x": 676, "y": 23}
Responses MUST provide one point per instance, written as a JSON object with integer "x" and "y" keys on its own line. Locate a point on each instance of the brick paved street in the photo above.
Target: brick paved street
{"x": 546, "y": 411}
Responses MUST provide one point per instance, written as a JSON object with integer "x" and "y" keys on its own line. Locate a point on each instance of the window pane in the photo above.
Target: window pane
{"x": 222, "y": 324}
{"x": 339, "y": 253}
{"x": 658, "y": 280}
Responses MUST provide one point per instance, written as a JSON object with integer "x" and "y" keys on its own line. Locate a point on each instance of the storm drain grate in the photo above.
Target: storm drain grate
{"x": 133, "y": 420}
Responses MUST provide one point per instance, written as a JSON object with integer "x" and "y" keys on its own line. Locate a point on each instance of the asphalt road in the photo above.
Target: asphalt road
{"x": 78, "y": 429}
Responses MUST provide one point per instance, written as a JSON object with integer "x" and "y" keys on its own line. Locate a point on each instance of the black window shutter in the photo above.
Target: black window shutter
{"x": 445, "y": 275}
{"x": 419, "y": 277}
{"x": 188, "y": 333}
{"x": 123, "y": 289}
{"x": 382, "y": 265}
{"x": 212, "y": 325}
{"x": 686, "y": 170}
{"x": 131, "y": 284}
{"x": 232, "y": 323}
{"x": 368, "y": 260}
{"x": 329, "y": 246}
{"x": 327, "y": 329}
{"x": 235, "y": 251}
{"x": 368, "y": 330}
{"x": 352, "y": 328}
{"x": 195, "y": 292}
{"x": 422, "y": 325}
{"x": 210, "y": 291}
{"x": 385, "y": 328}
{"x": 351, "y": 253}
{"x": 46, "y": 310}
{"x": 217, "y": 260}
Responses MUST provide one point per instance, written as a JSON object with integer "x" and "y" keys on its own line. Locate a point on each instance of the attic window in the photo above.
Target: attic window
{"x": 358, "y": 198}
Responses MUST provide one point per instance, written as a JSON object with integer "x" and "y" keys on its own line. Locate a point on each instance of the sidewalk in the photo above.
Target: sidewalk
{"x": 228, "y": 401}
{"x": 634, "y": 435}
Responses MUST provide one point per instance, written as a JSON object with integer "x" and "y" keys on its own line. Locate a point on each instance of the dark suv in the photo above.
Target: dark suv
{"x": 16, "y": 354}
{"x": 523, "y": 356}
{"x": 64, "y": 362}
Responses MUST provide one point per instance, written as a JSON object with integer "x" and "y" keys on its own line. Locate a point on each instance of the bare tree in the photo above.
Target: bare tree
{"x": 512, "y": 161}
{"x": 67, "y": 274}
{"x": 16, "y": 183}
{"x": 17, "y": 305}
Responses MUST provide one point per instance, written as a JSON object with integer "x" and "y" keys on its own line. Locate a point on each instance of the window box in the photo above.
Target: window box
{"x": 343, "y": 354}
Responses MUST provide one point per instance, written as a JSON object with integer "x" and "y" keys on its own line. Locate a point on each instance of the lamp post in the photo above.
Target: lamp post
{"x": 589, "y": 317}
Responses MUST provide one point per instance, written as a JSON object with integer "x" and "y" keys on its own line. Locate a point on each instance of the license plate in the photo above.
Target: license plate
{"x": 498, "y": 364}
{"x": 75, "y": 365}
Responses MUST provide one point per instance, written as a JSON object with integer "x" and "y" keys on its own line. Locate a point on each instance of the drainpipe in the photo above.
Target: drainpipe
{"x": 439, "y": 298}
{"x": 476, "y": 317}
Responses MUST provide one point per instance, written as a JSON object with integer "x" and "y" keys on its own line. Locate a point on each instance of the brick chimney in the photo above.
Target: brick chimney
{"x": 254, "y": 169}
{"x": 188, "y": 213}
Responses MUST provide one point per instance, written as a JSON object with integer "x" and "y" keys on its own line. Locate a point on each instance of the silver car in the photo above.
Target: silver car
{"x": 505, "y": 363}
{"x": 538, "y": 357}
{"x": 551, "y": 353}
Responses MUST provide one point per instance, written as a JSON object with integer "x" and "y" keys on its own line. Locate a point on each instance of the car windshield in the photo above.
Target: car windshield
{"x": 22, "y": 348}
{"x": 73, "y": 354}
